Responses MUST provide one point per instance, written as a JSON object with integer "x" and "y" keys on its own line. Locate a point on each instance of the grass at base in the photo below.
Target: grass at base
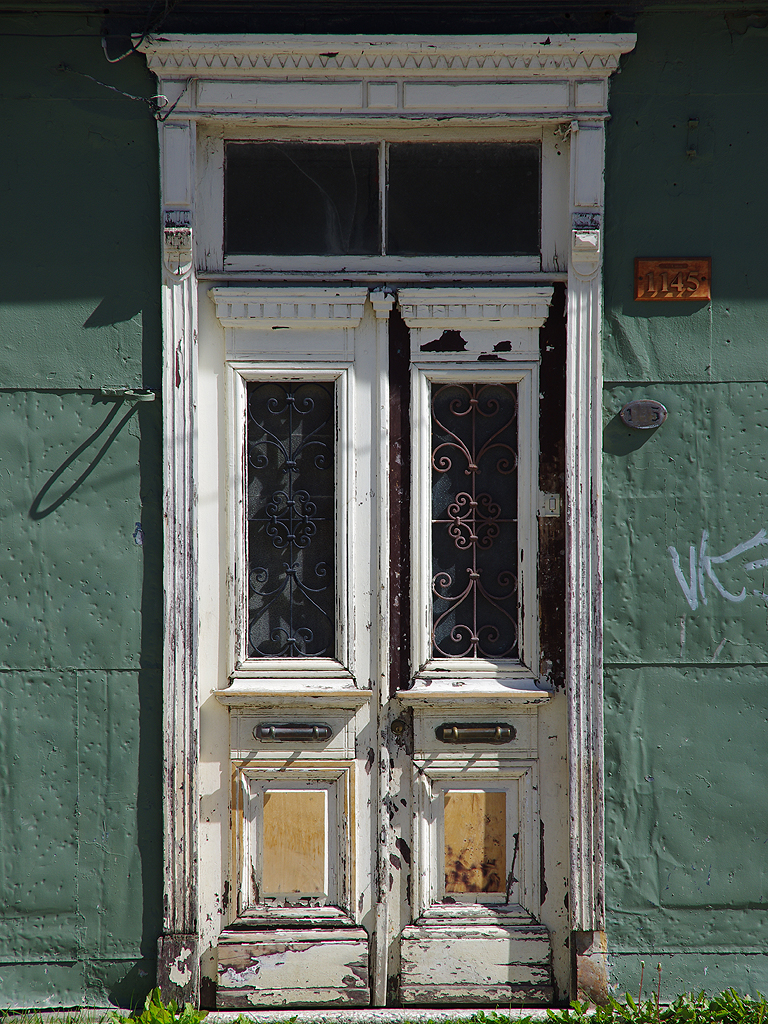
{"x": 727, "y": 1008}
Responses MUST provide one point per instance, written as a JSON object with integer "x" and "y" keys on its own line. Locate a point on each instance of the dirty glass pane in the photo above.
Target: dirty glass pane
{"x": 475, "y": 841}
{"x": 294, "y": 198}
{"x": 291, "y": 528}
{"x": 464, "y": 199}
{"x": 475, "y": 601}
{"x": 293, "y": 858}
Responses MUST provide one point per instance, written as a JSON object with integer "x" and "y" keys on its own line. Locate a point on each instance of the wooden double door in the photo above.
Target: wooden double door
{"x": 398, "y": 798}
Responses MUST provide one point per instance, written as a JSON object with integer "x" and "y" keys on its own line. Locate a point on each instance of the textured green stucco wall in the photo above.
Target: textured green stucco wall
{"x": 80, "y": 614}
{"x": 80, "y": 579}
{"x": 686, "y": 677}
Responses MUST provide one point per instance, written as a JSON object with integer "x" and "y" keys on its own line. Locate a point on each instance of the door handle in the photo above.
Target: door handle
{"x": 487, "y": 732}
{"x": 285, "y": 733}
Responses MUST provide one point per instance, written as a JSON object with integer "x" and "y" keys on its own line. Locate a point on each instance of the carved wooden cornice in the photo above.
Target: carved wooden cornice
{"x": 307, "y": 308}
{"x": 557, "y": 56}
{"x": 487, "y": 308}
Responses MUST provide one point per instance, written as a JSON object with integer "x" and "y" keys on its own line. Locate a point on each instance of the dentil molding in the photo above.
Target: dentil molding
{"x": 495, "y": 56}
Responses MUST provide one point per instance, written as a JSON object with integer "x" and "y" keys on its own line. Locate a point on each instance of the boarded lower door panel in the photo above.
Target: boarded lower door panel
{"x": 464, "y": 966}
{"x": 293, "y": 967}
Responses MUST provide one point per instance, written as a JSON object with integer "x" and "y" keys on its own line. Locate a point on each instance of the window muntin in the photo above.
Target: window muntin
{"x": 452, "y": 199}
{"x": 291, "y": 479}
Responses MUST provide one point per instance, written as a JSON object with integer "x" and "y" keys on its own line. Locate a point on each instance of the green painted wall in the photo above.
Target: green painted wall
{"x": 80, "y": 615}
{"x": 686, "y": 679}
{"x": 80, "y": 583}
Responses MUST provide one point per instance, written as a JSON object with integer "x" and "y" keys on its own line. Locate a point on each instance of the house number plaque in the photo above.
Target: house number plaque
{"x": 672, "y": 280}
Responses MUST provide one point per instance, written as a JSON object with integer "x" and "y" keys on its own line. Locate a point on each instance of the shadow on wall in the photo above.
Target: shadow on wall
{"x": 619, "y": 439}
{"x": 82, "y": 277}
{"x": 66, "y": 482}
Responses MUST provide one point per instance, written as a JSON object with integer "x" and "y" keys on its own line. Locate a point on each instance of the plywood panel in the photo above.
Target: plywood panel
{"x": 475, "y": 841}
{"x": 294, "y": 841}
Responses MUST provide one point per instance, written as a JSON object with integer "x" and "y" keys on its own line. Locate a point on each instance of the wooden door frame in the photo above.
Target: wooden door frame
{"x": 476, "y": 81}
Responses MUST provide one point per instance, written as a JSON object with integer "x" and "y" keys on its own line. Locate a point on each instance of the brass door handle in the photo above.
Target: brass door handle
{"x": 293, "y": 732}
{"x": 486, "y": 732}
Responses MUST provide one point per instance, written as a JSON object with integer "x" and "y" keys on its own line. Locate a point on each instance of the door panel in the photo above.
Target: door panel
{"x": 392, "y": 784}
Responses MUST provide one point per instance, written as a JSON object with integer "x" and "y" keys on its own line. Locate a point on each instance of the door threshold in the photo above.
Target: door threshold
{"x": 372, "y": 1015}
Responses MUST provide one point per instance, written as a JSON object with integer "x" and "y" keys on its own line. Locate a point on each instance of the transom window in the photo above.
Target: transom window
{"x": 382, "y": 198}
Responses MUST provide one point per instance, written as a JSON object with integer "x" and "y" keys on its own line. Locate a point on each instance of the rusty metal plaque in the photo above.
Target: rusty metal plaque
{"x": 673, "y": 280}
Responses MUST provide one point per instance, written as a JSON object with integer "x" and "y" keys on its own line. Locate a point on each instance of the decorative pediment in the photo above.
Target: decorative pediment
{"x": 273, "y": 308}
{"x": 486, "y": 308}
{"x": 523, "y": 76}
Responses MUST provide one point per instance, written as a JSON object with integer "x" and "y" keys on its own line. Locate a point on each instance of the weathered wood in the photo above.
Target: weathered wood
{"x": 477, "y": 964}
{"x": 472, "y": 995}
{"x": 290, "y": 935}
{"x": 262, "y": 916}
{"x": 178, "y": 968}
{"x": 180, "y": 663}
{"x": 535, "y": 942}
{"x": 584, "y": 540}
{"x": 552, "y": 346}
{"x": 591, "y": 955}
{"x": 244, "y": 999}
{"x": 292, "y": 967}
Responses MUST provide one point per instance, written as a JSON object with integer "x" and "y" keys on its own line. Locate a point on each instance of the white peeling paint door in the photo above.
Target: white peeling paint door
{"x": 394, "y": 826}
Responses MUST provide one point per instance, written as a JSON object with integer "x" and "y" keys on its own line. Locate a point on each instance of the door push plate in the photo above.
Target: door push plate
{"x": 485, "y": 732}
{"x": 549, "y": 506}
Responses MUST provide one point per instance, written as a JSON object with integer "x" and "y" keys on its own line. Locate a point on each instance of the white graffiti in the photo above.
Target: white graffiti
{"x": 701, "y": 568}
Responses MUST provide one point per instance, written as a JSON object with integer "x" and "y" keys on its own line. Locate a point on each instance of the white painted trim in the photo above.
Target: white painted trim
{"x": 326, "y": 84}
{"x": 276, "y": 692}
{"x": 394, "y": 266}
{"x": 180, "y": 653}
{"x": 429, "y": 782}
{"x": 338, "y": 668}
{"x": 584, "y": 531}
{"x": 589, "y": 56}
{"x": 334, "y": 778}
{"x": 488, "y": 308}
{"x": 308, "y": 308}
{"x": 382, "y": 304}
{"x": 554, "y": 202}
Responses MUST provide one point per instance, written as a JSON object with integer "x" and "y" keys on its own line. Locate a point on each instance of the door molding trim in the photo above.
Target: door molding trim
{"x": 403, "y": 82}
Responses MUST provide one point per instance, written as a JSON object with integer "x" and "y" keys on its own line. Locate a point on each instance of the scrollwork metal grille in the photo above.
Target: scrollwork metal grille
{"x": 474, "y": 521}
{"x": 290, "y": 509}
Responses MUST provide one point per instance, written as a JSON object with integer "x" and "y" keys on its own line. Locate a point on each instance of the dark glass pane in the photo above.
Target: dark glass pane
{"x": 464, "y": 199}
{"x": 290, "y": 479}
{"x": 474, "y": 521}
{"x": 291, "y": 198}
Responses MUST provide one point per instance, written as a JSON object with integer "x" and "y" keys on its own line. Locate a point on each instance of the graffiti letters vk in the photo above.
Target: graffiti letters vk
{"x": 705, "y": 570}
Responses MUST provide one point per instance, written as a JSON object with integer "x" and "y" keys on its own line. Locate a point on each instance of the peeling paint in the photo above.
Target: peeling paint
{"x": 179, "y": 972}
{"x": 449, "y": 341}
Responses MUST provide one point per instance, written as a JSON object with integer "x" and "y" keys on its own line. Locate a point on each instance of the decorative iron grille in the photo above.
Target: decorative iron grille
{"x": 474, "y": 521}
{"x": 290, "y": 480}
